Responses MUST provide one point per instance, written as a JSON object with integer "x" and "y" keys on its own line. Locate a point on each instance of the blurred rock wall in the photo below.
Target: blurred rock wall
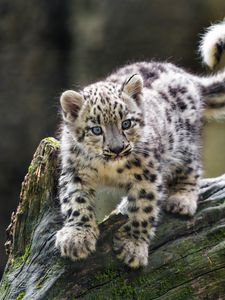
{"x": 49, "y": 46}
{"x": 34, "y": 55}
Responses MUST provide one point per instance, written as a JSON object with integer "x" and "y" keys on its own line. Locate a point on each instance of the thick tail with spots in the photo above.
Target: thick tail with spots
{"x": 212, "y": 49}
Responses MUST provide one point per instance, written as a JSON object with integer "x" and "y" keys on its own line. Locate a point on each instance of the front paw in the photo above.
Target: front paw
{"x": 133, "y": 253}
{"x": 181, "y": 203}
{"x": 76, "y": 242}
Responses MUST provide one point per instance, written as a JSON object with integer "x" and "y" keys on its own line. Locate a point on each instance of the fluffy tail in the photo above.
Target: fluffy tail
{"x": 212, "y": 49}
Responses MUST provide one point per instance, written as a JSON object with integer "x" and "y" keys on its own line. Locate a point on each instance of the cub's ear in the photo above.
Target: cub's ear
{"x": 71, "y": 103}
{"x": 133, "y": 86}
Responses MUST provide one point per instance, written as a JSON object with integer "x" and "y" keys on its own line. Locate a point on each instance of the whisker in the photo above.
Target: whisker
{"x": 126, "y": 150}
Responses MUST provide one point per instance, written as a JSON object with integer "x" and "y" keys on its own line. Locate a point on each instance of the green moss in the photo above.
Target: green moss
{"x": 109, "y": 274}
{"x": 116, "y": 288}
{"x": 41, "y": 281}
{"x": 18, "y": 261}
{"x": 186, "y": 293}
{"x": 4, "y": 286}
{"x": 141, "y": 286}
{"x": 181, "y": 293}
{"x": 52, "y": 141}
{"x": 31, "y": 168}
{"x": 39, "y": 285}
{"x": 20, "y": 296}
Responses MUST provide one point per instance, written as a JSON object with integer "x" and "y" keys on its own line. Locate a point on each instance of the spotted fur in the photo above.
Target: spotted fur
{"x": 138, "y": 130}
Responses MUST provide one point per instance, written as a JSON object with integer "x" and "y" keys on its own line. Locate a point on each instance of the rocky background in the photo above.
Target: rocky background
{"x": 49, "y": 46}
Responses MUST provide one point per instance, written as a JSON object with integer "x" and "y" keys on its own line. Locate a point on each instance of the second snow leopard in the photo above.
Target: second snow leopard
{"x": 139, "y": 129}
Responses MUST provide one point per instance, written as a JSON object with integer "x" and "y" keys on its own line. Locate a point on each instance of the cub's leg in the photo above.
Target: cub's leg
{"x": 184, "y": 191}
{"x": 77, "y": 238}
{"x": 132, "y": 240}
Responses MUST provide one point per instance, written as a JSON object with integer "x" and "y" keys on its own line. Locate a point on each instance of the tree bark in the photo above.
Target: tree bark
{"x": 186, "y": 258}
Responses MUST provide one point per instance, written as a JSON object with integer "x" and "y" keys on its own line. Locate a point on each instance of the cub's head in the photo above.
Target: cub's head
{"x": 106, "y": 119}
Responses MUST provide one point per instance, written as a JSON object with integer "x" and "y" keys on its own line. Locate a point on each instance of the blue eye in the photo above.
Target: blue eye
{"x": 97, "y": 130}
{"x": 126, "y": 124}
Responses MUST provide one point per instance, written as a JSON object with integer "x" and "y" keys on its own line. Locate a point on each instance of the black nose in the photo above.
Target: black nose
{"x": 116, "y": 149}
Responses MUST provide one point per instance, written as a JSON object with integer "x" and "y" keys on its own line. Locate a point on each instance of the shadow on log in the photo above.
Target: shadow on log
{"x": 186, "y": 261}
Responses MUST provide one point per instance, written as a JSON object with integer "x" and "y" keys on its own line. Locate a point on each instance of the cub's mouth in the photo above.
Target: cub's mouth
{"x": 116, "y": 157}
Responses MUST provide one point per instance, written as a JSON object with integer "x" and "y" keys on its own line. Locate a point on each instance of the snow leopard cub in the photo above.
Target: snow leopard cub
{"x": 139, "y": 130}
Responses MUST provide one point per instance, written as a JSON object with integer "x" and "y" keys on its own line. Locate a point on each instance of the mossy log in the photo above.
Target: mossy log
{"x": 186, "y": 259}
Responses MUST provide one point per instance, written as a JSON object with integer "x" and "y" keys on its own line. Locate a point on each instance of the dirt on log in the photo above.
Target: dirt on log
{"x": 186, "y": 259}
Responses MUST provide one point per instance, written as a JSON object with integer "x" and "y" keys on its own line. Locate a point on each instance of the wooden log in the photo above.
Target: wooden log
{"x": 186, "y": 260}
